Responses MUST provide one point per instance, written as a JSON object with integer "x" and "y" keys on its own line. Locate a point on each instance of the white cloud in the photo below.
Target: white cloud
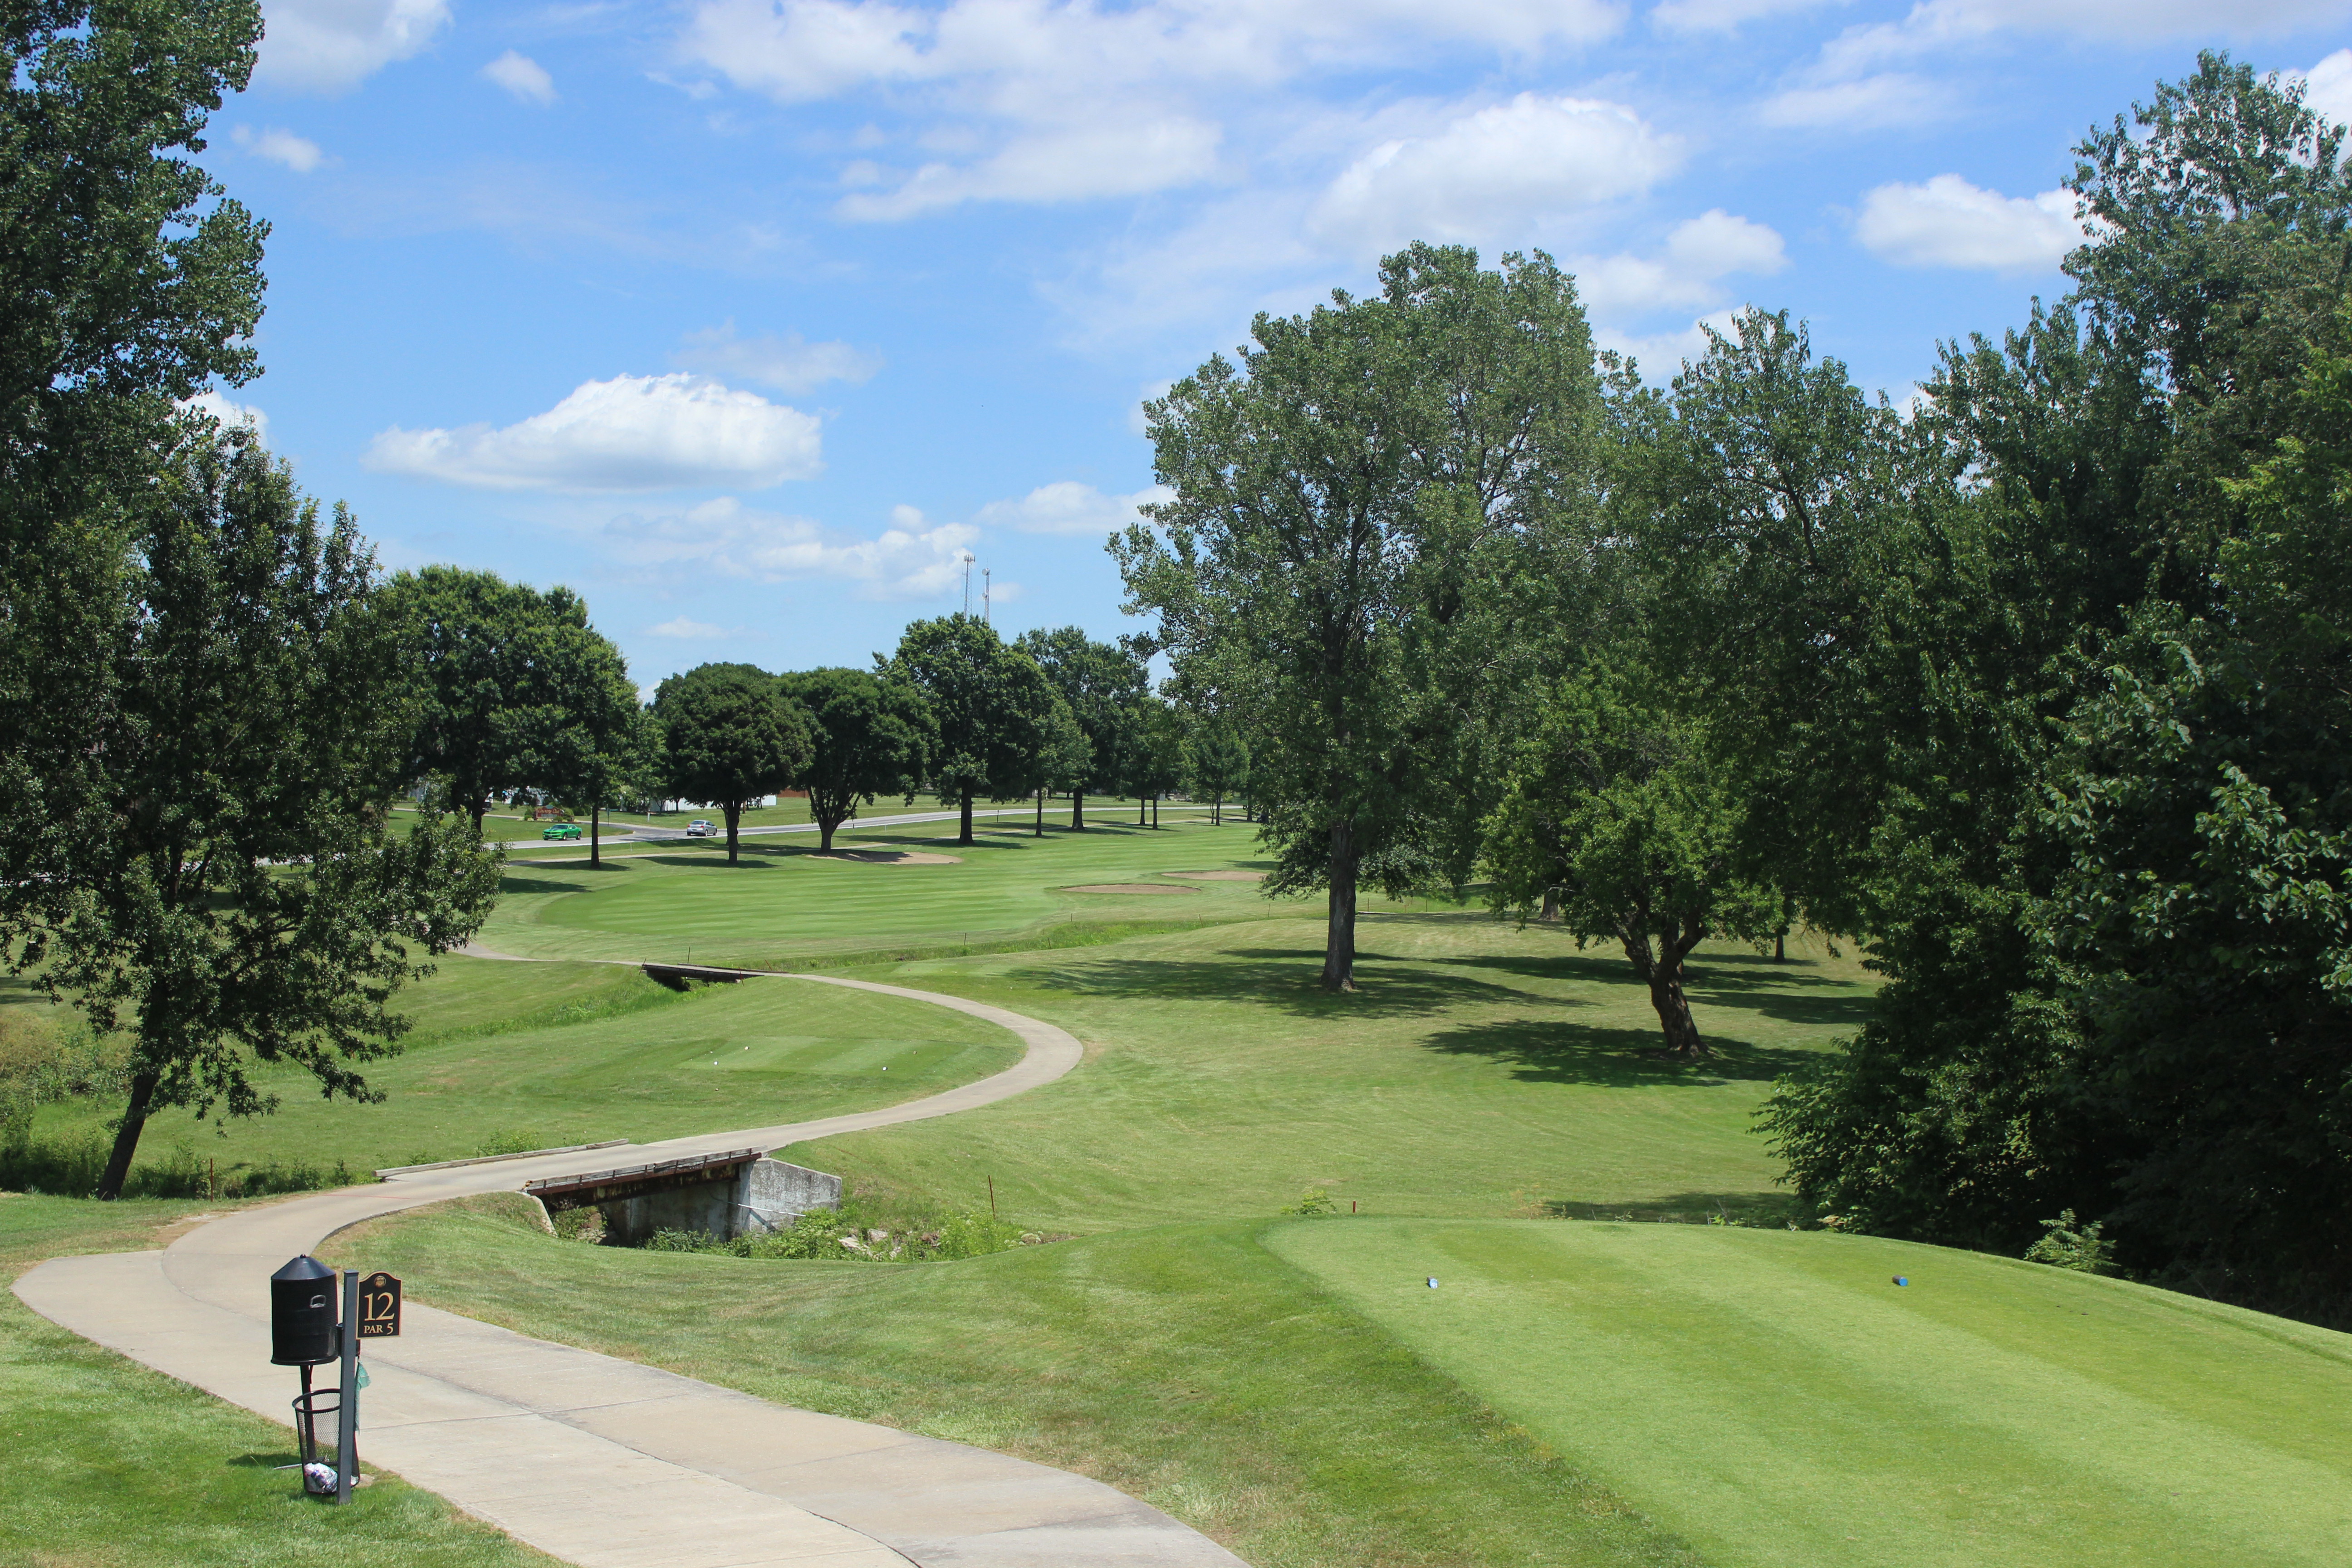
{"x": 229, "y": 413}
{"x": 1724, "y": 16}
{"x": 912, "y": 558}
{"x": 297, "y": 153}
{"x": 1688, "y": 272}
{"x": 1068, "y": 507}
{"x": 521, "y": 76}
{"x": 331, "y": 45}
{"x": 688, "y": 629}
{"x": 2328, "y": 87}
{"x": 631, "y": 433}
{"x": 1937, "y": 26}
{"x": 1948, "y": 221}
{"x": 1066, "y": 163}
{"x": 1888, "y": 99}
{"x": 788, "y": 363}
{"x": 1492, "y": 172}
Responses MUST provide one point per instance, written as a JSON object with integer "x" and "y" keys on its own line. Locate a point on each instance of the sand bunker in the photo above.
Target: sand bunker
{"x": 1218, "y": 876}
{"x": 872, "y": 856}
{"x": 1128, "y": 888}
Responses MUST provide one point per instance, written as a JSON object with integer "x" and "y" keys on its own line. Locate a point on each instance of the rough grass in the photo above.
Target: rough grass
{"x": 1185, "y": 1364}
{"x": 1781, "y": 1401}
{"x": 111, "y": 1466}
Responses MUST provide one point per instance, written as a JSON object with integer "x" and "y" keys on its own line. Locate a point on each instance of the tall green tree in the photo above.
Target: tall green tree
{"x": 1065, "y": 759}
{"x": 1155, "y": 758}
{"x": 584, "y": 734}
{"x": 868, "y": 737}
{"x": 1216, "y": 764}
{"x": 729, "y": 736}
{"x": 1101, "y": 682}
{"x": 248, "y": 898}
{"x": 131, "y": 282}
{"x": 1346, "y": 499}
{"x": 992, "y": 704}
{"x": 510, "y": 681}
{"x": 1614, "y": 807}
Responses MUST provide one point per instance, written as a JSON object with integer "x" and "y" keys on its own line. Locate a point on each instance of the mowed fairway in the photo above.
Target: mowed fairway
{"x": 546, "y": 1053}
{"x": 1483, "y": 1069}
{"x": 785, "y": 906}
{"x": 1776, "y": 1399}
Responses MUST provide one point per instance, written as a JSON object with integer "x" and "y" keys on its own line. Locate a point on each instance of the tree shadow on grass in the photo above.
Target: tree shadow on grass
{"x": 1767, "y": 1210}
{"x": 1560, "y": 1051}
{"x": 509, "y": 883}
{"x": 1286, "y": 978}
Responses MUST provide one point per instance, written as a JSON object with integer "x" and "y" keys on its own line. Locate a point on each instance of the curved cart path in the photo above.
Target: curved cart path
{"x": 604, "y": 1462}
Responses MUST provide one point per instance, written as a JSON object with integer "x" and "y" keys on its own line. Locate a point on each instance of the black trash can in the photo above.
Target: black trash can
{"x": 302, "y": 1330}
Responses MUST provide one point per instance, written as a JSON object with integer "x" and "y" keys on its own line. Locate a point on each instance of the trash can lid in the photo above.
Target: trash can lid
{"x": 304, "y": 1268}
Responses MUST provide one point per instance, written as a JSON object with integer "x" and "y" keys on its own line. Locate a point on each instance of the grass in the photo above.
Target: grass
{"x": 112, "y": 1466}
{"x": 1185, "y": 1364}
{"x": 1779, "y": 1400}
{"x": 540, "y": 1055}
{"x": 785, "y": 906}
{"x": 1483, "y": 1071}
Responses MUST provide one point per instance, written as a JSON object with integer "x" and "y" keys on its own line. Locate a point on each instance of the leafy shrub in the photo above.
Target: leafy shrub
{"x": 2065, "y": 1244}
{"x": 513, "y": 1140}
{"x": 69, "y": 1164}
{"x": 1314, "y": 1200}
{"x": 842, "y": 1235}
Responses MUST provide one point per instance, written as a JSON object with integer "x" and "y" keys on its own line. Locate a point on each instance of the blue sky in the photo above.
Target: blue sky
{"x": 747, "y": 319}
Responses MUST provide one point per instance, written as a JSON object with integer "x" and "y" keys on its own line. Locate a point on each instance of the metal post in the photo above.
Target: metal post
{"x": 347, "y": 1402}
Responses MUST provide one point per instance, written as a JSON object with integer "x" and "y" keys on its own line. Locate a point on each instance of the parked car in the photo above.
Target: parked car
{"x": 562, "y": 830}
{"x": 699, "y": 829}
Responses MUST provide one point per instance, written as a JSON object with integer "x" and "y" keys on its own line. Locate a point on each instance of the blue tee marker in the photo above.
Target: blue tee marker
{"x": 1902, "y": 1280}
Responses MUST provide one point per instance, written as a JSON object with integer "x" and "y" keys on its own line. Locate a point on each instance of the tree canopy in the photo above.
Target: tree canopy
{"x": 992, "y": 704}
{"x": 729, "y": 736}
{"x": 867, "y": 737}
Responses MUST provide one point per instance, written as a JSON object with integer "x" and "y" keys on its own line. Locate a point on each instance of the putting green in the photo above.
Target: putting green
{"x": 1776, "y": 1400}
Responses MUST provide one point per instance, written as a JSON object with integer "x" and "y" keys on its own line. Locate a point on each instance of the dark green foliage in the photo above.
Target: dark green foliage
{"x": 867, "y": 737}
{"x": 1616, "y": 822}
{"x": 729, "y": 735}
{"x": 1352, "y": 501}
{"x": 246, "y": 898}
{"x": 993, "y": 705}
{"x": 2067, "y": 1243}
{"x": 839, "y": 1237}
{"x": 513, "y": 689}
{"x": 1216, "y": 764}
{"x": 1102, "y": 683}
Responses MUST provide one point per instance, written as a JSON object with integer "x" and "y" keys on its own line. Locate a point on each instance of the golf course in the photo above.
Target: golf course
{"x": 1495, "y": 1344}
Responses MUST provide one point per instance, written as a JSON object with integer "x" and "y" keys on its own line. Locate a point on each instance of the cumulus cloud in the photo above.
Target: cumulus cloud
{"x": 230, "y": 413}
{"x": 1686, "y": 273}
{"x": 1066, "y": 163}
{"x": 2327, "y": 87}
{"x": 1723, "y": 15}
{"x": 683, "y": 628}
{"x": 297, "y": 153}
{"x": 331, "y": 45}
{"x": 1067, "y": 506}
{"x": 523, "y": 77}
{"x": 912, "y": 558}
{"x": 631, "y": 433}
{"x": 788, "y": 363}
{"x": 1948, "y": 221}
{"x": 1493, "y": 170}
{"x": 1887, "y": 99}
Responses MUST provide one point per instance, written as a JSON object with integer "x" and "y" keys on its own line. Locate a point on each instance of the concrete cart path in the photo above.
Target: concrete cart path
{"x": 604, "y": 1462}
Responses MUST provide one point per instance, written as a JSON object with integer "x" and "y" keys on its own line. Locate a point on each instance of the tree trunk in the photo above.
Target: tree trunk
{"x": 1340, "y": 933}
{"x": 595, "y": 829}
{"x": 824, "y": 826}
{"x": 1141, "y": 807}
{"x": 1041, "y": 813}
{"x": 1550, "y": 913}
{"x": 733, "y": 812}
{"x": 1673, "y": 1012}
{"x": 126, "y": 1138}
{"x": 1155, "y": 811}
{"x": 1078, "y": 811}
{"x": 965, "y": 837}
{"x": 1780, "y": 946}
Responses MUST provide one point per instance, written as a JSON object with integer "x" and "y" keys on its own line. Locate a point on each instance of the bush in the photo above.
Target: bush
{"x": 2066, "y": 1245}
{"x": 513, "y": 1141}
{"x": 845, "y": 1235}
{"x": 1314, "y": 1200}
{"x": 69, "y": 1166}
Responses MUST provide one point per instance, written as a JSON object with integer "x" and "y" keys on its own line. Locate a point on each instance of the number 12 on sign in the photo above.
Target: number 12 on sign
{"x": 379, "y": 1307}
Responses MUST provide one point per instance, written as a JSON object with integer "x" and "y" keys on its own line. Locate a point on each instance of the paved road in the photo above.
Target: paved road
{"x": 603, "y": 1462}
